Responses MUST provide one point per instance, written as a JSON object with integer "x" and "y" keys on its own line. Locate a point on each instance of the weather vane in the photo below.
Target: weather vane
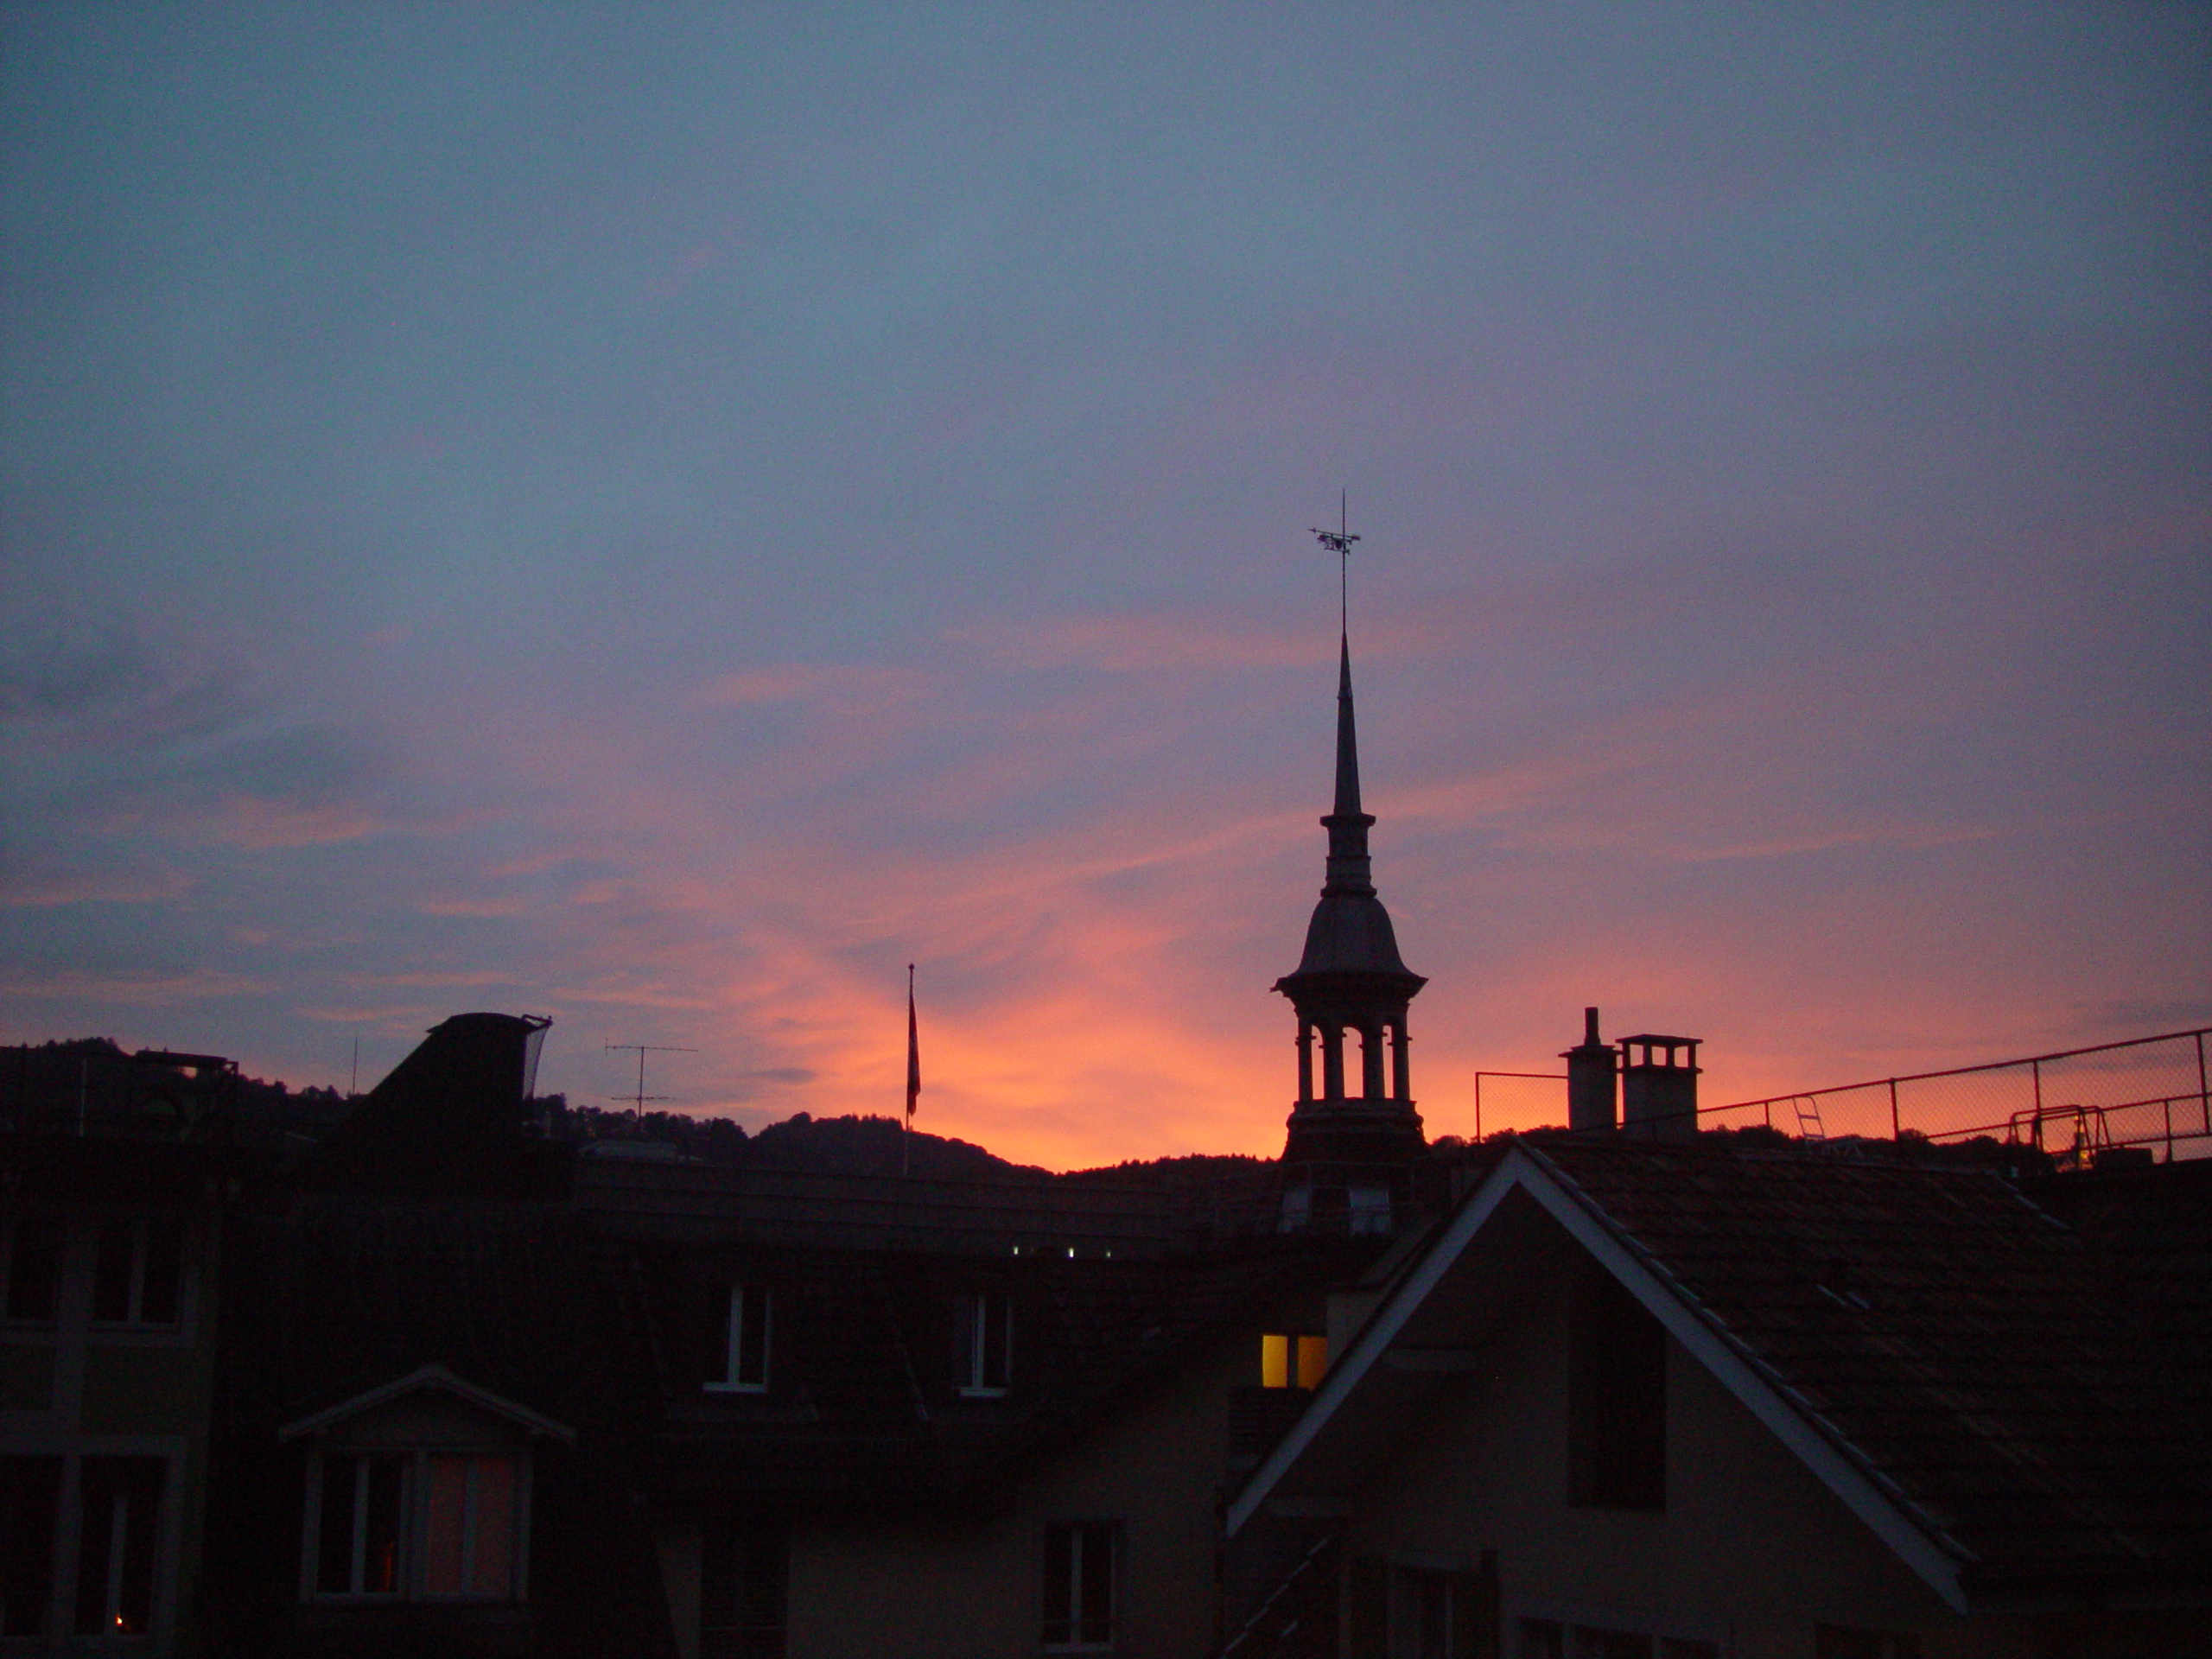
{"x": 1338, "y": 541}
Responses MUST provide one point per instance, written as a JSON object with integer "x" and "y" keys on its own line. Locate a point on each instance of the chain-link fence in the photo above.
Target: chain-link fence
{"x": 2147, "y": 1092}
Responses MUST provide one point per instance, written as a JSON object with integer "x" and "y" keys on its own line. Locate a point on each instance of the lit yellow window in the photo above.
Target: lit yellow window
{"x": 1312, "y": 1360}
{"x": 1288, "y": 1361}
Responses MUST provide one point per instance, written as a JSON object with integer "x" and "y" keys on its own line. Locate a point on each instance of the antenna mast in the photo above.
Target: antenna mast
{"x": 640, "y": 1098}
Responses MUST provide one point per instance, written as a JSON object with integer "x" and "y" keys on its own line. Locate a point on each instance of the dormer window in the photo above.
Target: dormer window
{"x": 745, "y": 1342}
{"x": 419, "y": 1492}
{"x": 984, "y": 1342}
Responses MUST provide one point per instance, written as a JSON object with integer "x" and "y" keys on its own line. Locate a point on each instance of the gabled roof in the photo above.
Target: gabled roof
{"x": 423, "y": 1377}
{"x": 1945, "y": 1356}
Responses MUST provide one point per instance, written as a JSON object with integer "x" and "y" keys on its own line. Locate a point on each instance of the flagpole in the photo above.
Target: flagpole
{"x": 913, "y": 1081}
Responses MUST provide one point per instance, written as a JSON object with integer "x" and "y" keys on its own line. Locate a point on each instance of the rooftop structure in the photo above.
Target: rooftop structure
{"x": 1351, "y": 1141}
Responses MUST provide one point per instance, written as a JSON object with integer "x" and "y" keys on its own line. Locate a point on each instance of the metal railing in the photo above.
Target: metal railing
{"x": 2146, "y": 1091}
{"x": 1534, "y": 1077}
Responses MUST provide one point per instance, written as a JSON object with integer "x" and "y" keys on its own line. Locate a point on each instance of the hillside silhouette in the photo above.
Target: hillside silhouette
{"x": 47, "y": 1083}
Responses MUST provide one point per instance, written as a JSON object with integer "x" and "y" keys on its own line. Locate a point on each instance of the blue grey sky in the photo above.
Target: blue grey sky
{"x": 662, "y": 516}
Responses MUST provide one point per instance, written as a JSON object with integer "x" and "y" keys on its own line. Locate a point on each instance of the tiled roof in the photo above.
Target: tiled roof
{"x": 1986, "y": 1361}
{"x": 336, "y": 1295}
{"x": 862, "y": 1407}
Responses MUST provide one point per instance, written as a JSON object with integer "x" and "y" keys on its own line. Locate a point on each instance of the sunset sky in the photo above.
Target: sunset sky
{"x": 661, "y": 517}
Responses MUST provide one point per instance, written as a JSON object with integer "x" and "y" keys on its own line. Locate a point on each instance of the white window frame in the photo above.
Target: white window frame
{"x": 1569, "y": 1616}
{"x": 1116, "y": 1586}
{"x": 977, "y": 1307}
{"x": 70, "y": 1450}
{"x": 1402, "y": 1615}
{"x": 135, "y": 1321}
{"x": 732, "y": 1380}
{"x": 414, "y": 1528}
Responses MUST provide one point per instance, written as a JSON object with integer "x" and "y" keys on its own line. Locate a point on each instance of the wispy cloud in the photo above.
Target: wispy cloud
{"x": 1125, "y": 645}
{"x": 380, "y": 1016}
{"x": 641, "y": 996}
{"x": 504, "y": 905}
{"x": 147, "y": 990}
{"x": 851, "y": 685}
{"x": 428, "y": 979}
{"x": 259, "y": 824}
{"x": 45, "y": 888}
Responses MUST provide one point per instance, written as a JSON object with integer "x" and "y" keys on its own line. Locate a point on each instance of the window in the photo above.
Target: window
{"x": 30, "y": 1275}
{"x": 138, "y": 1275}
{"x": 1367, "y": 1209}
{"x": 1293, "y": 1361}
{"x": 30, "y": 1504}
{"x": 1421, "y": 1625}
{"x": 357, "y": 1540}
{"x": 420, "y": 1525}
{"x": 745, "y": 1342}
{"x": 1547, "y": 1638}
{"x": 743, "y": 1571}
{"x": 1615, "y": 1397}
{"x": 984, "y": 1342}
{"x": 120, "y": 1510}
{"x": 1846, "y": 1642}
{"x": 468, "y": 1530}
{"x": 1081, "y": 1585}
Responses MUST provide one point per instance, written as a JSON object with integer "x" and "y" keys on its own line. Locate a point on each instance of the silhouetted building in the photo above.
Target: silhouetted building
{"x": 1348, "y": 1157}
{"x": 108, "y": 1294}
{"x": 483, "y": 1396}
{"x": 1702, "y": 1399}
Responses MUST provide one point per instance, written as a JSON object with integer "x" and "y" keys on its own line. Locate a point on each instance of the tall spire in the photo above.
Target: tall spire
{"x": 1347, "y": 737}
{"x": 1349, "y": 869}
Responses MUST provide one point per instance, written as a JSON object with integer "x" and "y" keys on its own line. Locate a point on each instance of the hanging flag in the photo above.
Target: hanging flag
{"x": 914, "y": 1049}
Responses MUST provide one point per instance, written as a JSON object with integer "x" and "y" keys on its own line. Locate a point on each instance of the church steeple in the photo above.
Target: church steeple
{"x": 1347, "y": 1158}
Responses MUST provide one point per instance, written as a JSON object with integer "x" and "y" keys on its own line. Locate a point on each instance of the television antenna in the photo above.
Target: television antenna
{"x": 637, "y": 1100}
